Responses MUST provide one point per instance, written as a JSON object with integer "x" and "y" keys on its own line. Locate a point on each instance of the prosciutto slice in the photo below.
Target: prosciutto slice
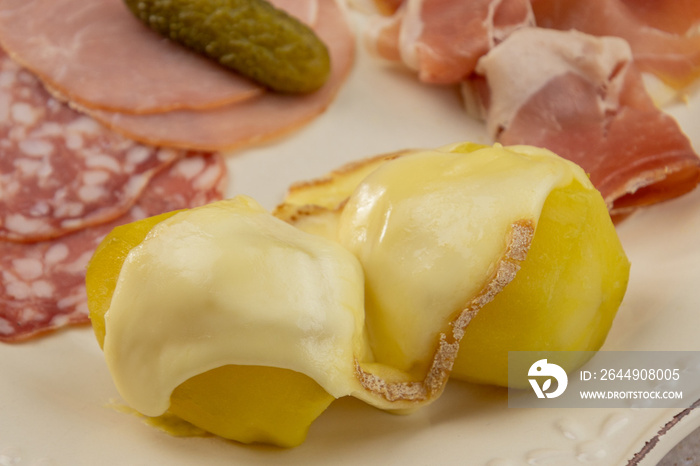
{"x": 42, "y": 284}
{"x": 662, "y": 34}
{"x": 250, "y": 121}
{"x": 674, "y": 16}
{"x": 59, "y": 169}
{"x": 443, "y": 39}
{"x": 586, "y": 101}
{"x": 97, "y": 54}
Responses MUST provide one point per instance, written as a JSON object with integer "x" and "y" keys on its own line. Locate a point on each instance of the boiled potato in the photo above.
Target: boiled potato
{"x": 564, "y": 298}
{"x": 243, "y": 402}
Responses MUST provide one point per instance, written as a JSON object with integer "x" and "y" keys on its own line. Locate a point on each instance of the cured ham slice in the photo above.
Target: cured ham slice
{"x": 675, "y": 16}
{"x": 42, "y": 285}
{"x": 59, "y": 169}
{"x": 97, "y": 54}
{"x": 250, "y": 121}
{"x": 661, "y": 33}
{"x": 443, "y": 39}
{"x": 585, "y": 100}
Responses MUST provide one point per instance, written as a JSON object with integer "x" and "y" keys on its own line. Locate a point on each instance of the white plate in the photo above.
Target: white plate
{"x": 55, "y": 392}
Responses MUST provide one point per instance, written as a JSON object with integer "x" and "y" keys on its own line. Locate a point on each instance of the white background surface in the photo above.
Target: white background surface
{"x": 55, "y": 391}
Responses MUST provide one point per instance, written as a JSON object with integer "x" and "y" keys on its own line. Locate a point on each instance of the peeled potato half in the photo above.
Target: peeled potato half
{"x": 441, "y": 233}
{"x": 229, "y": 318}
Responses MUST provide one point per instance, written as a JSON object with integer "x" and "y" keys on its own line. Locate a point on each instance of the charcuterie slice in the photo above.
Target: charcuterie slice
{"x": 59, "y": 169}
{"x": 100, "y": 56}
{"x": 585, "y": 100}
{"x": 659, "y": 32}
{"x": 252, "y": 120}
{"x": 42, "y": 286}
{"x": 443, "y": 39}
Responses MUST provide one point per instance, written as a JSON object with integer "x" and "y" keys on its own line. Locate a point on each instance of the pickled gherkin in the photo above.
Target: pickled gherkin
{"x": 251, "y": 37}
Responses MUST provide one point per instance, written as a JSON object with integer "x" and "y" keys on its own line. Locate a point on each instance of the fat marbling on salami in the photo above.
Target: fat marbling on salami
{"x": 42, "y": 284}
{"x": 60, "y": 170}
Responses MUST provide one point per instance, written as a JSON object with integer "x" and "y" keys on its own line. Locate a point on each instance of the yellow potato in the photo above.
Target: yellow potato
{"x": 564, "y": 298}
{"x": 243, "y": 403}
{"x": 105, "y": 264}
{"x": 252, "y": 404}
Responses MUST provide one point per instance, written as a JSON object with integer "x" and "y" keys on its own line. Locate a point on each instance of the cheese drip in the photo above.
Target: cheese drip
{"x": 229, "y": 283}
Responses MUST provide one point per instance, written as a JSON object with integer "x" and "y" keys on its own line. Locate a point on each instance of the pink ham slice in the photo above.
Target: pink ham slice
{"x": 586, "y": 102}
{"x": 253, "y": 120}
{"x": 61, "y": 170}
{"x": 659, "y": 31}
{"x": 97, "y": 54}
{"x": 42, "y": 286}
{"x": 443, "y": 39}
{"x": 674, "y": 16}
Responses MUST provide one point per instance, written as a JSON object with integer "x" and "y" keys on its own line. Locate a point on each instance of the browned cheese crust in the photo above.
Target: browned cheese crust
{"x": 407, "y": 394}
{"x": 402, "y": 395}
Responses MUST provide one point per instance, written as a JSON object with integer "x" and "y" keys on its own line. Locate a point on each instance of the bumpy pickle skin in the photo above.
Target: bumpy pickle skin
{"x": 249, "y": 404}
{"x": 251, "y": 37}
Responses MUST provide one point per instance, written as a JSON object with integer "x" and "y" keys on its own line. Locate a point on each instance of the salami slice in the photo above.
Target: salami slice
{"x": 59, "y": 169}
{"x": 251, "y": 121}
{"x": 42, "y": 286}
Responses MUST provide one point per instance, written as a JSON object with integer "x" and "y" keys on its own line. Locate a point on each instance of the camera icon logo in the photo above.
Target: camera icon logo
{"x": 542, "y": 368}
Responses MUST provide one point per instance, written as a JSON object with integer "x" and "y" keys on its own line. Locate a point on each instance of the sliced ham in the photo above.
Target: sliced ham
{"x": 443, "y": 39}
{"x": 305, "y": 11}
{"x": 97, "y": 54}
{"x": 674, "y": 16}
{"x": 59, "y": 169}
{"x": 585, "y": 100}
{"x": 42, "y": 285}
{"x": 253, "y": 120}
{"x": 662, "y": 33}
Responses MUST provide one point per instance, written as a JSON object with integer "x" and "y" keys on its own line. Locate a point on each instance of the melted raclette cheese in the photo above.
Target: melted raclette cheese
{"x": 362, "y": 311}
{"x": 229, "y": 283}
{"x": 429, "y": 230}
